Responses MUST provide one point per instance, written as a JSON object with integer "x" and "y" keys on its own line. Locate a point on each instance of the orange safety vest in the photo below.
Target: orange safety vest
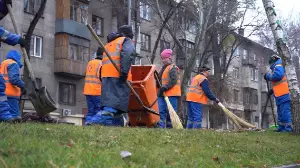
{"x": 195, "y": 92}
{"x": 92, "y": 84}
{"x": 175, "y": 90}
{"x": 281, "y": 87}
{"x": 11, "y": 90}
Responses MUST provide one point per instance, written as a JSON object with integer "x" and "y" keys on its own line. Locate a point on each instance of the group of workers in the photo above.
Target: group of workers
{"x": 11, "y": 85}
{"x": 107, "y": 94}
{"x": 106, "y": 91}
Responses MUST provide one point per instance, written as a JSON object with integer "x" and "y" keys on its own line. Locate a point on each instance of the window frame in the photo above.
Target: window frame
{"x": 145, "y": 11}
{"x": 164, "y": 42}
{"x": 149, "y": 42}
{"x": 61, "y": 94}
{"x": 102, "y": 25}
{"x": 33, "y": 42}
{"x": 235, "y": 73}
{"x": 235, "y": 95}
{"x": 245, "y": 54}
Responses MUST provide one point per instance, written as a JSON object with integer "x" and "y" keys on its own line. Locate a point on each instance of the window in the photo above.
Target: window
{"x": 67, "y": 93}
{"x": 254, "y": 74}
{"x": 188, "y": 45}
{"x": 145, "y": 11}
{"x": 255, "y": 98}
{"x": 235, "y": 73}
{"x": 256, "y": 119}
{"x": 78, "y": 12}
{"x": 192, "y": 27}
{"x": 36, "y": 46}
{"x": 254, "y": 57}
{"x": 235, "y": 95}
{"x": 32, "y": 6}
{"x": 145, "y": 42}
{"x": 245, "y": 54}
{"x": 93, "y": 54}
{"x": 164, "y": 45}
{"x": 78, "y": 53}
{"x": 236, "y": 52}
{"x": 97, "y": 24}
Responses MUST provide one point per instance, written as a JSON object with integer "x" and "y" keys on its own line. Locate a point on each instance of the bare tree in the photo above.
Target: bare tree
{"x": 28, "y": 36}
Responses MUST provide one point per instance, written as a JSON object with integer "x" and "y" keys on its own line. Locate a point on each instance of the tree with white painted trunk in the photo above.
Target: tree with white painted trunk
{"x": 283, "y": 51}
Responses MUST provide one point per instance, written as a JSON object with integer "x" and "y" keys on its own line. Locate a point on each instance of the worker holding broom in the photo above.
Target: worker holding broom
{"x": 92, "y": 86}
{"x": 115, "y": 93}
{"x": 170, "y": 79}
{"x": 6, "y": 114}
{"x": 280, "y": 89}
{"x": 198, "y": 95}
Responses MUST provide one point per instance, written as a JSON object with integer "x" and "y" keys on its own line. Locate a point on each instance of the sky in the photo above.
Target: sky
{"x": 285, "y": 9}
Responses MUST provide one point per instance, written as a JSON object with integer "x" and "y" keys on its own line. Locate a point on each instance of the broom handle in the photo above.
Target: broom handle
{"x": 28, "y": 65}
{"x": 115, "y": 65}
{"x": 269, "y": 97}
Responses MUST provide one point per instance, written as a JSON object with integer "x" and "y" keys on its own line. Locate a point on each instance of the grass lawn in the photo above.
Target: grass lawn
{"x": 45, "y": 145}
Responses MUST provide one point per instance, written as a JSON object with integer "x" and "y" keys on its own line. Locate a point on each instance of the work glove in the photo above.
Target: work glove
{"x": 23, "y": 91}
{"x": 161, "y": 91}
{"x": 123, "y": 77}
{"x": 8, "y": 2}
{"x": 22, "y": 42}
{"x": 270, "y": 92}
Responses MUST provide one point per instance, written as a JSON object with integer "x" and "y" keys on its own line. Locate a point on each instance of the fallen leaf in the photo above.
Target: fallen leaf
{"x": 298, "y": 161}
{"x": 265, "y": 166}
{"x": 215, "y": 158}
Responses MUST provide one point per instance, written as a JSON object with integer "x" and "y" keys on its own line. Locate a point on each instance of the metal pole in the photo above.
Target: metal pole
{"x": 129, "y": 12}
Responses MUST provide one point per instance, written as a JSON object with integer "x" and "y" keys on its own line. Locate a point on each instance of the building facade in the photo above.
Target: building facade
{"x": 62, "y": 45}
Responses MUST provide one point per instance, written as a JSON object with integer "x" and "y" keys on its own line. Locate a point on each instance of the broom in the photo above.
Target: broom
{"x": 176, "y": 123}
{"x": 236, "y": 119}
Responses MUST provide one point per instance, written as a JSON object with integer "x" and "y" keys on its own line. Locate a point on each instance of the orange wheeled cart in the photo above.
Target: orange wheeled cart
{"x": 144, "y": 84}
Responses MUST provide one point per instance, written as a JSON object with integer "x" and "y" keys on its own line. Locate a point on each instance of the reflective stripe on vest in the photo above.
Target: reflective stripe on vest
{"x": 281, "y": 87}
{"x": 3, "y": 98}
{"x": 92, "y": 84}
{"x": 195, "y": 91}
{"x": 175, "y": 90}
{"x": 11, "y": 90}
{"x": 114, "y": 49}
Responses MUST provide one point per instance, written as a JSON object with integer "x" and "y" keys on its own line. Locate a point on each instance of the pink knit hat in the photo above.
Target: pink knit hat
{"x": 167, "y": 53}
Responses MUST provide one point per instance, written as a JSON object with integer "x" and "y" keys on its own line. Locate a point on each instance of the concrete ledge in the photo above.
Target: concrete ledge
{"x": 72, "y": 27}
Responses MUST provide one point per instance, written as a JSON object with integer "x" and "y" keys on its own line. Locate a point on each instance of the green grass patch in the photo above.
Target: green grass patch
{"x": 45, "y": 145}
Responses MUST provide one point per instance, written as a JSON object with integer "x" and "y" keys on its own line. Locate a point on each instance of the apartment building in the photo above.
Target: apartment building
{"x": 62, "y": 45}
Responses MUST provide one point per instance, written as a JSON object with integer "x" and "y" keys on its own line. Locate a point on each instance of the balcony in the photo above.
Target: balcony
{"x": 250, "y": 62}
{"x": 70, "y": 68}
{"x": 71, "y": 56}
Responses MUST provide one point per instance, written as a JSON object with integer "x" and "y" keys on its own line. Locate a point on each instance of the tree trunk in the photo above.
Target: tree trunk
{"x": 28, "y": 36}
{"x": 287, "y": 61}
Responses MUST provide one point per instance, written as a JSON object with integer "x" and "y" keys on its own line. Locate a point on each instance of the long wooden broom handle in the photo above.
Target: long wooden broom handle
{"x": 22, "y": 48}
{"x": 115, "y": 65}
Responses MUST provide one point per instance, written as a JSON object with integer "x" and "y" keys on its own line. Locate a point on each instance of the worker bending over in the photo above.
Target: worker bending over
{"x": 197, "y": 96}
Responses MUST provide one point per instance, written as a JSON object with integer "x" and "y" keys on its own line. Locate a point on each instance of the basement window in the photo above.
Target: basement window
{"x": 67, "y": 93}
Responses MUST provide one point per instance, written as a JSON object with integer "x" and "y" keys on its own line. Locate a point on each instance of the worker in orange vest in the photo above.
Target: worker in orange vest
{"x": 170, "y": 79}
{"x": 280, "y": 89}
{"x": 197, "y": 96}
{"x": 10, "y": 69}
{"x": 10, "y": 39}
{"x": 115, "y": 92}
{"x": 92, "y": 85}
